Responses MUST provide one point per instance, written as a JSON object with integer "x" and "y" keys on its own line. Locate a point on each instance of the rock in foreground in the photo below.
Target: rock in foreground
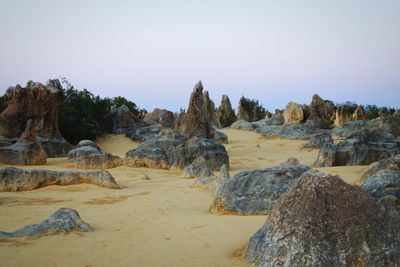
{"x": 257, "y": 191}
{"x": 62, "y": 221}
{"x": 14, "y": 179}
{"x": 323, "y": 221}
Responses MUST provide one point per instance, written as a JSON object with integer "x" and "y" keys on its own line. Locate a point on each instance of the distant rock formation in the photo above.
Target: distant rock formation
{"x": 14, "y": 179}
{"x": 88, "y": 155}
{"x": 26, "y": 151}
{"x": 211, "y": 111}
{"x": 163, "y": 117}
{"x": 322, "y": 112}
{"x": 359, "y": 114}
{"x": 257, "y": 191}
{"x": 226, "y": 114}
{"x": 293, "y": 113}
{"x": 323, "y": 221}
{"x": 342, "y": 115}
{"x": 319, "y": 139}
{"x": 62, "y": 221}
{"x": 122, "y": 119}
{"x": 37, "y": 102}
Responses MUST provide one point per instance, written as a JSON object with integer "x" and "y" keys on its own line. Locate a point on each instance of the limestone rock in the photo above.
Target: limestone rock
{"x": 210, "y": 108}
{"x": 342, "y": 115}
{"x": 208, "y": 181}
{"x": 226, "y": 113}
{"x": 122, "y": 119}
{"x": 290, "y": 131}
{"x": 163, "y": 117}
{"x": 293, "y": 113}
{"x": 322, "y": 112}
{"x": 359, "y": 114}
{"x": 91, "y": 157}
{"x": 319, "y": 139}
{"x": 323, "y": 221}
{"x": 14, "y": 179}
{"x": 62, "y": 221}
{"x": 37, "y": 102}
{"x": 90, "y": 143}
{"x": 242, "y": 125}
{"x": 257, "y": 191}
{"x": 26, "y": 151}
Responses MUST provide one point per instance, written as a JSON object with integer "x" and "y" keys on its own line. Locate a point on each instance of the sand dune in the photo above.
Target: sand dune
{"x": 162, "y": 221}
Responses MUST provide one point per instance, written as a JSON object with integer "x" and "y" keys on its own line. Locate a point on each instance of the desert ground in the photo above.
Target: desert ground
{"x": 157, "y": 219}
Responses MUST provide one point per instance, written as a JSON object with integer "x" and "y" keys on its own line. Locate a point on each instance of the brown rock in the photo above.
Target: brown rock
{"x": 123, "y": 119}
{"x": 162, "y": 116}
{"x": 342, "y": 115}
{"x": 293, "y": 113}
{"x": 322, "y": 112}
{"x": 359, "y": 114}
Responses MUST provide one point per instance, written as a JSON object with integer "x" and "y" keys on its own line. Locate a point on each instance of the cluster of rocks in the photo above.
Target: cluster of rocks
{"x": 62, "y": 221}
{"x": 88, "y": 155}
{"x": 15, "y": 179}
{"x": 323, "y": 221}
{"x": 37, "y": 102}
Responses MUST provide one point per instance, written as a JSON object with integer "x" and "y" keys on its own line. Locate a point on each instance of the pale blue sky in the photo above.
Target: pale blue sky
{"x": 153, "y": 52}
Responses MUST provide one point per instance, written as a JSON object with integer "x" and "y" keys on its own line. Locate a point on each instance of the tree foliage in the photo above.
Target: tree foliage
{"x": 253, "y": 108}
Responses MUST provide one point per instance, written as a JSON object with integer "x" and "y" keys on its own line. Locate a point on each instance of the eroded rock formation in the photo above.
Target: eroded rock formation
{"x": 293, "y": 113}
{"x": 226, "y": 114}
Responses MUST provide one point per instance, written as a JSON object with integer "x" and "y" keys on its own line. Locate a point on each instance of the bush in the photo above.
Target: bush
{"x": 253, "y": 108}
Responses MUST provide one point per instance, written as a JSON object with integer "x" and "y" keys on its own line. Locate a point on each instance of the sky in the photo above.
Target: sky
{"x": 153, "y": 52}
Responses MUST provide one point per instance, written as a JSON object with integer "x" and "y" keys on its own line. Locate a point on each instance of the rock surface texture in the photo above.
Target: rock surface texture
{"x": 208, "y": 181}
{"x": 257, "y": 191}
{"x": 62, "y": 221}
{"x": 122, "y": 119}
{"x": 322, "y": 112}
{"x": 14, "y": 179}
{"x": 163, "y": 117}
{"x": 293, "y": 113}
{"x": 342, "y": 115}
{"x": 226, "y": 114}
{"x": 37, "y": 102}
{"x": 323, "y": 221}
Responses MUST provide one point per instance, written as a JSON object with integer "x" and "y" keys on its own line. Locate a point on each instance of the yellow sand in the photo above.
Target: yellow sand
{"x": 162, "y": 221}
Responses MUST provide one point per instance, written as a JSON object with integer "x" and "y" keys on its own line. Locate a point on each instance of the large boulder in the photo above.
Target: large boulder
{"x": 141, "y": 133}
{"x": 226, "y": 114}
{"x": 174, "y": 150}
{"x": 39, "y": 103}
{"x": 89, "y": 156}
{"x": 163, "y": 117}
{"x": 322, "y": 112}
{"x": 62, "y": 221}
{"x": 361, "y": 147}
{"x": 323, "y": 221}
{"x": 122, "y": 119}
{"x": 14, "y": 179}
{"x": 319, "y": 139}
{"x": 26, "y": 151}
{"x": 293, "y": 113}
{"x": 257, "y": 191}
{"x": 382, "y": 178}
{"x": 342, "y": 115}
{"x": 196, "y": 121}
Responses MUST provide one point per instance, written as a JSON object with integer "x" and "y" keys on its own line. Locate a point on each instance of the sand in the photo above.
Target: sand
{"x": 156, "y": 219}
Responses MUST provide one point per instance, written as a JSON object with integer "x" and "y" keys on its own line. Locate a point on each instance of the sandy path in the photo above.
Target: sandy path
{"x": 158, "y": 222}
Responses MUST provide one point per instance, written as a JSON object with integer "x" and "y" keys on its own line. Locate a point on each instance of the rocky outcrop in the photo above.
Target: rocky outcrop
{"x": 361, "y": 147}
{"x": 37, "y": 102}
{"x": 122, "y": 119}
{"x": 323, "y": 221}
{"x": 242, "y": 113}
{"x": 226, "y": 114}
{"x": 359, "y": 114}
{"x": 141, "y": 133}
{"x": 26, "y": 151}
{"x": 342, "y": 115}
{"x": 319, "y": 139}
{"x": 322, "y": 112}
{"x": 257, "y": 191}
{"x": 208, "y": 181}
{"x": 242, "y": 125}
{"x": 62, "y": 221}
{"x": 382, "y": 178}
{"x": 293, "y": 113}
{"x": 163, "y": 117}
{"x": 89, "y": 156}
{"x": 211, "y": 110}
{"x": 196, "y": 121}
{"x": 290, "y": 131}
{"x": 14, "y": 179}
{"x": 174, "y": 150}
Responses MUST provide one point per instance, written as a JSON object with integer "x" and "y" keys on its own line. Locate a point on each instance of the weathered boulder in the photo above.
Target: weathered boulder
{"x": 220, "y": 137}
{"x": 322, "y": 112}
{"x": 62, "y": 221}
{"x": 208, "y": 181}
{"x": 342, "y": 115}
{"x": 142, "y": 133}
{"x": 226, "y": 114}
{"x": 122, "y": 119}
{"x": 242, "y": 125}
{"x": 14, "y": 179}
{"x": 90, "y": 156}
{"x": 361, "y": 147}
{"x": 26, "y": 151}
{"x": 323, "y": 221}
{"x": 290, "y": 131}
{"x": 176, "y": 151}
{"x": 257, "y": 191}
{"x": 83, "y": 143}
{"x": 163, "y": 117}
{"x": 319, "y": 139}
{"x": 196, "y": 121}
{"x": 382, "y": 178}
{"x": 359, "y": 114}
{"x": 275, "y": 120}
{"x": 37, "y": 102}
{"x": 293, "y": 113}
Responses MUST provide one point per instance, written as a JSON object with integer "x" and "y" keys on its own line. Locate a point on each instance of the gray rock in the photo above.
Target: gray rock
{"x": 14, "y": 179}
{"x": 89, "y": 157}
{"x": 208, "y": 181}
{"x": 122, "y": 119}
{"x": 391, "y": 206}
{"x": 163, "y": 117}
{"x": 319, "y": 139}
{"x": 257, "y": 191}
{"x": 289, "y": 131}
{"x": 196, "y": 167}
{"x": 323, "y": 221}
{"x": 220, "y": 137}
{"x": 144, "y": 133}
{"x": 226, "y": 114}
{"x": 242, "y": 125}
{"x": 62, "y": 221}
{"x": 90, "y": 143}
